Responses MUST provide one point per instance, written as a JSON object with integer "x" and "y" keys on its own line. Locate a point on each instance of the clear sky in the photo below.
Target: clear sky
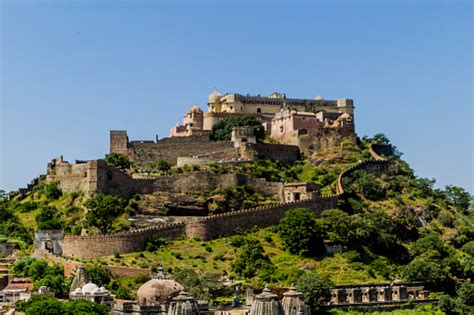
{"x": 73, "y": 70}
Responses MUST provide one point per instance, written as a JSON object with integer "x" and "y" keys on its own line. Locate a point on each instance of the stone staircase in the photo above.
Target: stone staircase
{"x": 5, "y": 266}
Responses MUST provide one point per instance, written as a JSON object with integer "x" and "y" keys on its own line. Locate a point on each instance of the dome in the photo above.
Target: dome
{"x": 214, "y": 96}
{"x": 158, "y": 291}
{"x": 78, "y": 291}
{"x": 90, "y": 288}
{"x": 319, "y": 97}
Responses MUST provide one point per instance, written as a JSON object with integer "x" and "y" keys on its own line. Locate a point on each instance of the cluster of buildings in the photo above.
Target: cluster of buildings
{"x": 284, "y": 119}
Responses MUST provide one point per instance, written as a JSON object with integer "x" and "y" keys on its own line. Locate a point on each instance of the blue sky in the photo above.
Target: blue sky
{"x": 71, "y": 71}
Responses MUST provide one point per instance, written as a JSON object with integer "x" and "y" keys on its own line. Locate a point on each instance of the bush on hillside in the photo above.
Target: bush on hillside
{"x": 118, "y": 160}
{"x": 103, "y": 211}
{"x": 52, "y": 191}
{"x": 300, "y": 232}
{"x": 316, "y": 289}
{"x": 222, "y": 130}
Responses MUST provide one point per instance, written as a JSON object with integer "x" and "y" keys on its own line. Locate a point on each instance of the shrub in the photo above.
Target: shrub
{"x": 316, "y": 289}
{"x": 301, "y": 233}
{"x": 222, "y": 130}
{"x": 251, "y": 259}
{"x": 104, "y": 209}
{"x": 155, "y": 242}
{"x": 52, "y": 191}
{"x": 48, "y": 219}
{"x": 117, "y": 160}
{"x": 98, "y": 275}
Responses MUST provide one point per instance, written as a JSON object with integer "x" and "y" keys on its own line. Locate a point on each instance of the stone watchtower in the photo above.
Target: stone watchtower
{"x": 119, "y": 142}
{"x": 243, "y": 135}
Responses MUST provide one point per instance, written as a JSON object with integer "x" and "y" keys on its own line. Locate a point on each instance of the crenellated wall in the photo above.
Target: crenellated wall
{"x": 106, "y": 245}
{"x": 97, "y": 176}
{"x": 212, "y": 226}
{"x": 205, "y": 229}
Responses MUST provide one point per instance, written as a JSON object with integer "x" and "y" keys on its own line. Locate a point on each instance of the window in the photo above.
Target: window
{"x": 259, "y": 110}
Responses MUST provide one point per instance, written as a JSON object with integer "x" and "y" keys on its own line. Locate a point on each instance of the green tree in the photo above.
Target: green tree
{"x": 458, "y": 197}
{"x": 300, "y": 232}
{"x": 45, "y": 307}
{"x": 163, "y": 166}
{"x": 118, "y": 160}
{"x": 48, "y": 219}
{"x": 316, "y": 289}
{"x": 56, "y": 283}
{"x": 337, "y": 225}
{"x": 103, "y": 210}
{"x": 251, "y": 259}
{"x": 222, "y": 130}
{"x": 430, "y": 270}
{"x": 466, "y": 294}
{"x": 52, "y": 191}
{"x": 98, "y": 275}
{"x": 74, "y": 307}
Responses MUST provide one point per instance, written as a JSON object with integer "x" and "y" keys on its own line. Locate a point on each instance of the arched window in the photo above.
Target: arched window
{"x": 259, "y": 110}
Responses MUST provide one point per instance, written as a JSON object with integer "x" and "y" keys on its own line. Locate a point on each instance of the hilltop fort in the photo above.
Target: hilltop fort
{"x": 292, "y": 127}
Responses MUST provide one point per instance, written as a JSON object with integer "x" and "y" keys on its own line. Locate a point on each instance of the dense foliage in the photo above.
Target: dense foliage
{"x": 118, "y": 160}
{"x": 301, "y": 233}
{"x": 316, "y": 289}
{"x": 252, "y": 259}
{"x": 43, "y": 274}
{"x": 45, "y": 305}
{"x": 222, "y": 130}
{"x": 103, "y": 210}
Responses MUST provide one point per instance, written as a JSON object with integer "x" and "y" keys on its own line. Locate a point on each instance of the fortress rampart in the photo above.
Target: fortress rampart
{"x": 97, "y": 176}
{"x": 212, "y": 226}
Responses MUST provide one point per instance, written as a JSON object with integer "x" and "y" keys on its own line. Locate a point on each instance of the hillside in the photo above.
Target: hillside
{"x": 387, "y": 227}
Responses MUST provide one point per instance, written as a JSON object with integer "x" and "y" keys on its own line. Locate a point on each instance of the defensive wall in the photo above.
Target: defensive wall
{"x": 70, "y": 266}
{"x": 205, "y": 229}
{"x": 97, "y": 176}
{"x": 209, "y": 227}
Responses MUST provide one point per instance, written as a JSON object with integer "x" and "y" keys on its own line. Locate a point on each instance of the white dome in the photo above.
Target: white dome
{"x": 214, "y": 96}
{"x": 90, "y": 288}
{"x": 319, "y": 97}
{"x": 78, "y": 291}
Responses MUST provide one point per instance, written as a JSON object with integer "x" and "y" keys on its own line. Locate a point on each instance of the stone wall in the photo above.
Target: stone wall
{"x": 70, "y": 266}
{"x": 323, "y": 138}
{"x": 7, "y": 248}
{"x": 106, "y": 245}
{"x": 206, "y": 228}
{"x": 264, "y": 216}
{"x": 103, "y": 178}
{"x": 171, "y": 148}
{"x": 269, "y": 151}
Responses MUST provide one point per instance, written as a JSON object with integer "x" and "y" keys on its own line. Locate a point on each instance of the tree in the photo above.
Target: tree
{"x": 74, "y": 307}
{"x": 300, "y": 232}
{"x": 222, "y": 130}
{"x": 251, "y": 258}
{"x": 52, "y": 191}
{"x": 45, "y": 307}
{"x": 98, "y": 275}
{"x": 163, "y": 166}
{"x": 48, "y": 219}
{"x": 316, "y": 289}
{"x": 336, "y": 224}
{"x": 56, "y": 283}
{"x": 458, "y": 197}
{"x": 104, "y": 209}
{"x": 430, "y": 270}
{"x": 118, "y": 160}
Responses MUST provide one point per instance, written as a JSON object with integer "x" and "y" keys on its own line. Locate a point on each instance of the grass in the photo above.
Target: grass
{"x": 217, "y": 255}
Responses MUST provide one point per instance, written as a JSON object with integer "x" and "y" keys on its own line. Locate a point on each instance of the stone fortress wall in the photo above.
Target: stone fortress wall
{"x": 212, "y": 226}
{"x": 97, "y": 176}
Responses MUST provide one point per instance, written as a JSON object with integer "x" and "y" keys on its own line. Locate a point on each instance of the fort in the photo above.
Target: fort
{"x": 293, "y": 127}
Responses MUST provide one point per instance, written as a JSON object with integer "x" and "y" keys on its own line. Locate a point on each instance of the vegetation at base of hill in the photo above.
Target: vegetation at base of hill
{"x": 46, "y": 305}
{"x": 316, "y": 289}
{"x": 118, "y": 160}
{"x": 43, "y": 274}
{"x": 407, "y": 309}
{"x": 222, "y": 130}
{"x": 300, "y": 233}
